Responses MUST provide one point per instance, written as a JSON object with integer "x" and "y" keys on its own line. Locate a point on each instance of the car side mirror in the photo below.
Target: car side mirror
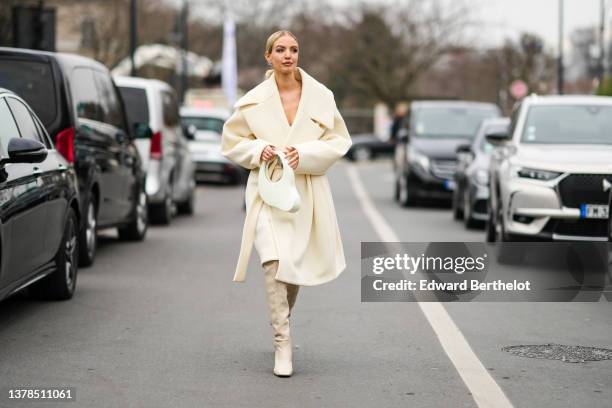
{"x": 497, "y": 138}
{"x": 189, "y": 131}
{"x": 403, "y": 135}
{"x": 464, "y": 152}
{"x": 22, "y": 150}
{"x": 464, "y": 148}
{"x": 142, "y": 131}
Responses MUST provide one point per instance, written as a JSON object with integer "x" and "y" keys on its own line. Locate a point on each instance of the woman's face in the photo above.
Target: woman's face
{"x": 284, "y": 56}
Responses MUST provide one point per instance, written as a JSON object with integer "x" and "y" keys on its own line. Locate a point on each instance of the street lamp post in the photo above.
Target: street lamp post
{"x": 560, "y": 58}
{"x": 601, "y": 68}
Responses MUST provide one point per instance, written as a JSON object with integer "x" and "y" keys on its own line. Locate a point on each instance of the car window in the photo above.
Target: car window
{"x": 111, "y": 107}
{"x": 25, "y": 123}
{"x": 136, "y": 105}
{"x": 44, "y": 136}
{"x": 445, "y": 122}
{"x": 171, "y": 110}
{"x": 33, "y": 81}
{"x": 204, "y": 123}
{"x": 9, "y": 128}
{"x": 85, "y": 94}
{"x": 568, "y": 124}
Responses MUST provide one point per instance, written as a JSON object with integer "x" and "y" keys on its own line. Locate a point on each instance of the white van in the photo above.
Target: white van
{"x": 166, "y": 157}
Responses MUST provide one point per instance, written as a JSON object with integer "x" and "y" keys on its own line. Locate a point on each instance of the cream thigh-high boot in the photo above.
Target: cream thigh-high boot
{"x": 281, "y": 297}
{"x": 292, "y": 292}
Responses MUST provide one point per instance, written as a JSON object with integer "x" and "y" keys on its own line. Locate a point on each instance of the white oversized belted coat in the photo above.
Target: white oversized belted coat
{"x": 307, "y": 242}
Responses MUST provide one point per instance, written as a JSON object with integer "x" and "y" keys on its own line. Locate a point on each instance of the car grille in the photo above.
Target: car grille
{"x": 585, "y": 228}
{"x": 444, "y": 169}
{"x": 577, "y": 189}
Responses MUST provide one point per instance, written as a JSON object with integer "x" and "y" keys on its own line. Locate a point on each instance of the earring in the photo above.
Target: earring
{"x": 269, "y": 63}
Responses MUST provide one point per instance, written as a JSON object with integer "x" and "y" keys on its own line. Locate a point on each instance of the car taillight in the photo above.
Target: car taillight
{"x": 156, "y": 146}
{"x": 64, "y": 143}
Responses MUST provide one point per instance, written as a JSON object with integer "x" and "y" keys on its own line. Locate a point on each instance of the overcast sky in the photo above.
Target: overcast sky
{"x": 507, "y": 18}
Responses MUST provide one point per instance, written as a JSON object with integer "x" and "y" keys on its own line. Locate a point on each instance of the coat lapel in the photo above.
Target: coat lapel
{"x": 263, "y": 111}
{"x": 317, "y": 108}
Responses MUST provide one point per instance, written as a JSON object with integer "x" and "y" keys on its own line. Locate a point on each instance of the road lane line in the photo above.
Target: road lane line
{"x": 485, "y": 391}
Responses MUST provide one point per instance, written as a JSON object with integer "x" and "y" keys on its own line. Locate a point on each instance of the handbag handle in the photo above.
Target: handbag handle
{"x": 282, "y": 193}
{"x": 284, "y": 165}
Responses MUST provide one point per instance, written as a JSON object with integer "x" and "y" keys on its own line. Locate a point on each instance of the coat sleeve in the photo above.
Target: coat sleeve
{"x": 239, "y": 144}
{"x": 316, "y": 156}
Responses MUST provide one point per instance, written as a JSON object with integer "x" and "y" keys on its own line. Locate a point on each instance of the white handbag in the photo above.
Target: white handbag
{"x": 281, "y": 194}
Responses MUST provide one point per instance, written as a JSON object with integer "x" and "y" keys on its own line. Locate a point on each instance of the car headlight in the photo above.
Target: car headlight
{"x": 419, "y": 159}
{"x": 482, "y": 177}
{"x": 536, "y": 174}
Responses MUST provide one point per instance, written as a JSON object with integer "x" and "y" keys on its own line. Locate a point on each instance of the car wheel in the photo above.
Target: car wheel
{"x": 506, "y": 252}
{"x": 162, "y": 213}
{"x": 234, "y": 179}
{"x": 396, "y": 188}
{"x": 362, "y": 153}
{"x": 136, "y": 230}
{"x": 188, "y": 206}
{"x": 61, "y": 283}
{"x": 468, "y": 219}
{"x": 88, "y": 239}
{"x": 457, "y": 208}
{"x": 406, "y": 197}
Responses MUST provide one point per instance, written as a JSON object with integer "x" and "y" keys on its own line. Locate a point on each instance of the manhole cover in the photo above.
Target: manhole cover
{"x": 568, "y": 354}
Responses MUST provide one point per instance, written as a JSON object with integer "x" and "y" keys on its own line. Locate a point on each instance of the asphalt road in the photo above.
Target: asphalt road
{"x": 160, "y": 323}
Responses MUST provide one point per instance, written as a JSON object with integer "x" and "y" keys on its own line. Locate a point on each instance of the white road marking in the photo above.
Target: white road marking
{"x": 485, "y": 391}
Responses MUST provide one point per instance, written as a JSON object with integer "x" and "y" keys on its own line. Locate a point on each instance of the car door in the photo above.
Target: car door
{"x": 124, "y": 150}
{"x": 96, "y": 144}
{"x": 53, "y": 173}
{"x": 23, "y": 202}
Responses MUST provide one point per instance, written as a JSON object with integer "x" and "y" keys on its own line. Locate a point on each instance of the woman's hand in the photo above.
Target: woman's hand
{"x": 292, "y": 155}
{"x": 268, "y": 152}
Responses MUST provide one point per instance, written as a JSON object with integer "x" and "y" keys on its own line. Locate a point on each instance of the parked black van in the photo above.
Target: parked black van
{"x": 79, "y": 105}
{"x": 39, "y": 208}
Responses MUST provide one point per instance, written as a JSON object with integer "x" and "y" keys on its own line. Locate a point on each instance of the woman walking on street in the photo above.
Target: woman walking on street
{"x": 292, "y": 113}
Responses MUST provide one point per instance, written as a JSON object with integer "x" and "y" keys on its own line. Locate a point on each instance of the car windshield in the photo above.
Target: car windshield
{"x": 572, "y": 124}
{"x": 33, "y": 81}
{"x": 204, "y": 123}
{"x": 450, "y": 122}
{"x": 135, "y": 101}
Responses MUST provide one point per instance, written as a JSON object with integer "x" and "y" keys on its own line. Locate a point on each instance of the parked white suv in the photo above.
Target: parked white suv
{"x": 551, "y": 176}
{"x": 166, "y": 157}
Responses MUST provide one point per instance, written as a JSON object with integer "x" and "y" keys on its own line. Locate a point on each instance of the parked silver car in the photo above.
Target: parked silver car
{"x": 471, "y": 193}
{"x": 550, "y": 177}
{"x": 166, "y": 157}
{"x": 206, "y": 126}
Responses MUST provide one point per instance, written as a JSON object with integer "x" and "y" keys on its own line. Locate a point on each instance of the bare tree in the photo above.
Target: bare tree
{"x": 389, "y": 47}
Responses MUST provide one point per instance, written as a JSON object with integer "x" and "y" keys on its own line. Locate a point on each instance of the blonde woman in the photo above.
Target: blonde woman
{"x": 290, "y": 112}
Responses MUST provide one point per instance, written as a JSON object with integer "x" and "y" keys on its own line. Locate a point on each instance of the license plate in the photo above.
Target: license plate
{"x": 599, "y": 211}
{"x": 449, "y": 184}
